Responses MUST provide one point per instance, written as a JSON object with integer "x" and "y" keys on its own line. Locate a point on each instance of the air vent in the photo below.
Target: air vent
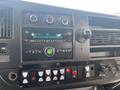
{"x": 105, "y": 44}
{"x": 105, "y": 38}
{"x": 103, "y": 22}
{"x": 6, "y": 23}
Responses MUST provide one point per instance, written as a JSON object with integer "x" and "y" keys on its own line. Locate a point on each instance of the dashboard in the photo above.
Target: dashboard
{"x": 46, "y": 47}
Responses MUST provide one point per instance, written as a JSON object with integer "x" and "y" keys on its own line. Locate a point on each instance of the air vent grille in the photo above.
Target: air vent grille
{"x": 103, "y": 22}
{"x": 105, "y": 38}
{"x": 6, "y": 23}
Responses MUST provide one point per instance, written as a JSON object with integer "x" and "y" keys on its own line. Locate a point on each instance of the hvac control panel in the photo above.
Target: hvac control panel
{"x": 46, "y": 47}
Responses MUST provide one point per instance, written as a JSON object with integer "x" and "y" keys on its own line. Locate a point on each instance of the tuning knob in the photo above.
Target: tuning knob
{"x": 82, "y": 35}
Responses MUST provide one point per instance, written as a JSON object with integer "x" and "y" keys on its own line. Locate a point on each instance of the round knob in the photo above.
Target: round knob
{"x": 49, "y": 51}
{"x": 82, "y": 35}
{"x": 33, "y": 18}
{"x": 65, "y": 20}
{"x": 50, "y": 19}
{"x": 113, "y": 70}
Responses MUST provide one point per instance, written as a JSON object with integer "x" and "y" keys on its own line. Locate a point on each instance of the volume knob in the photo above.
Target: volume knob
{"x": 49, "y": 51}
{"x": 33, "y": 18}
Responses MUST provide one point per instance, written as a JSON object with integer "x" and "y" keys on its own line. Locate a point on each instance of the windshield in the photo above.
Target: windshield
{"x": 100, "y": 6}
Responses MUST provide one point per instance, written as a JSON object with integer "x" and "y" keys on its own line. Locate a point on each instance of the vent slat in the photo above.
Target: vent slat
{"x": 103, "y": 22}
{"x": 6, "y": 23}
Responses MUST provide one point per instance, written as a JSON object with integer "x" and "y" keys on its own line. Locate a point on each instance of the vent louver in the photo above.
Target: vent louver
{"x": 103, "y": 22}
{"x": 6, "y": 23}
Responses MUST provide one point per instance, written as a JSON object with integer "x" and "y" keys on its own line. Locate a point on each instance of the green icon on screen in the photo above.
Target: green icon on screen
{"x": 50, "y": 51}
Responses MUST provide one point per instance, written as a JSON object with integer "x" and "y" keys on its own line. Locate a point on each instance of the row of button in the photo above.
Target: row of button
{"x": 41, "y": 76}
{"x": 68, "y": 73}
{"x": 47, "y": 72}
{"x": 49, "y": 19}
{"x": 40, "y": 52}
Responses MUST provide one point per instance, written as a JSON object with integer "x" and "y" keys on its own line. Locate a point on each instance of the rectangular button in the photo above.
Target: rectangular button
{"x": 68, "y": 73}
{"x": 33, "y": 76}
{"x": 62, "y": 77}
{"x": 40, "y": 73}
{"x": 40, "y": 80}
{"x": 24, "y": 74}
{"x": 48, "y": 78}
{"x": 25, "y": 81}
{"x": 48, "y": 72}
{"x": 62, "y": 71}
{"x": 74, "y": 72}
{"x": 55, "y": 72}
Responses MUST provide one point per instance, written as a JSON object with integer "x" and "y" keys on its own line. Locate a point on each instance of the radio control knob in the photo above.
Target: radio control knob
{"x": 49, "y": 51}
{"x": 65, "y": 20}
{"x": 33, "y": 18}
{"x": 82, "y": 35}
{"x": 50, "y": 19}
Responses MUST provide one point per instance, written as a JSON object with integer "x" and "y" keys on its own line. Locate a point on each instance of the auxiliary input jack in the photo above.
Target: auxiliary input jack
{"x": 12, "y": 76}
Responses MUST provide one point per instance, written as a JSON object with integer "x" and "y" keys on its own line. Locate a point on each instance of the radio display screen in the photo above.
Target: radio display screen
{"x": 47, "y": 36}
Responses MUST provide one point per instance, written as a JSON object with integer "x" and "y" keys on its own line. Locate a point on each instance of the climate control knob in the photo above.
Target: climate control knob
{"x": 65, "y": 20}
{"x": 49, "y": 51}
{"x": 82, "y": 35}
{"x": 33, "y": 18}
{"x": 49, "y": 19}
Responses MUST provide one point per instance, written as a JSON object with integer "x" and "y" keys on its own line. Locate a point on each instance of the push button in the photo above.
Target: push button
{"x": 55, "y": 75}
{"x": 48, "y": 78}
{"x": 68, "y": 70}
{"x": 48, "y": 72}
{"x": 68, "y": 73}
{"x": 41, "y": 76}
{"x": 25, "y": 74}
{"x": 33, "y": 76}
{"x": 90, "y": 71}
{"x": 55, "y": 78}
{"x": 74, "y": 72}
{"x": 55, "y": 72}
{"x": 40, "y": 73}
{"x": 62, "y": 77}
{"x": 49, "y": 51}
{"x": 40, "y": 80}
{"x": 62, "y": 71}
{"x": 25, "y": 81}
